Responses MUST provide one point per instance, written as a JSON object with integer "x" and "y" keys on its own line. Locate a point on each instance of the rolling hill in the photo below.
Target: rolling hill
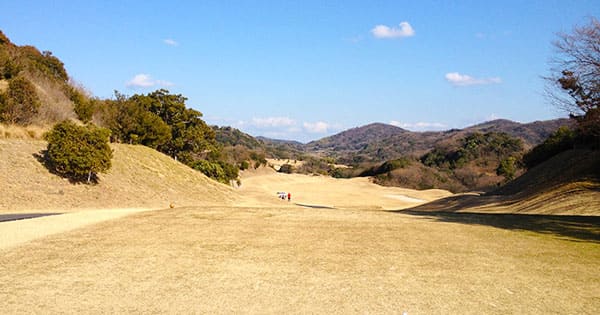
{"x": 380, "y": 142}
{"x": 140, "y": 177}
{"x": 566, "y": 184}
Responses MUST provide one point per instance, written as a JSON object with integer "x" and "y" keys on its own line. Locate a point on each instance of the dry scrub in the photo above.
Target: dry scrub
{"x": 23, "y": 133}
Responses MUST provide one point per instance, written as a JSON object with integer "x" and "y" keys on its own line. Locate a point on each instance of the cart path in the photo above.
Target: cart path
{"x": 23, "y": 216}
{"x": 14, "y": 230}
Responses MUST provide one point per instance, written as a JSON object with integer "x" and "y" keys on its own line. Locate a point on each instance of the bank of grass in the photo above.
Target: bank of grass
{"x": 300, "y": 260}
{"x": 139, "y": 178}
{"x": 21, "y": 132}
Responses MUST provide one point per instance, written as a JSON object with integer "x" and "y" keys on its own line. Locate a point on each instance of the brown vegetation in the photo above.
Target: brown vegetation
{"x": 567, "y": 184}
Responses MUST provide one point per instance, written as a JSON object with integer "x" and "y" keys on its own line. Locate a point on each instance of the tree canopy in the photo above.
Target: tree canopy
{"x": 78, "y": 152}
{"x": 162, "y": 121}
{"x": 574, "y": 83}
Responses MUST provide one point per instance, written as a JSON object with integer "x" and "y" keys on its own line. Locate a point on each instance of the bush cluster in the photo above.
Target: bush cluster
{"x": 561, "y": 140}
{"x": 78, "y": 152}
{"x": 20, "y": 103}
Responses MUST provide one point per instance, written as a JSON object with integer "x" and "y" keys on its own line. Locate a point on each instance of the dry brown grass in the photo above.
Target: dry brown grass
{"x": 21, "y": 132}
{"x": 298, "y": 260}
{"x": 55, "y": 105}
{"x": 3, "y": 85}
{"x": 139, "y": 178}
{"x": 332, "y": 192}
{"x": 247, "y": 252}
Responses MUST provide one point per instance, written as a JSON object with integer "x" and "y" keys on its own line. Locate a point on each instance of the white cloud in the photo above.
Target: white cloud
{"x": 419, "y": 126}
{"x": 458, "y": 79}
{"x": 170, "y": 42}
{"x": 317, "y": 127}
{"x": 383, "y": 31}
{"x": 145, "y": 81}
{"x": 140, "y": 80}
{"x": 272, "y": 122}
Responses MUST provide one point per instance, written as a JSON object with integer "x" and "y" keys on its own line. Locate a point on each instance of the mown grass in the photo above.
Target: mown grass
{"x": 300, "y": 260}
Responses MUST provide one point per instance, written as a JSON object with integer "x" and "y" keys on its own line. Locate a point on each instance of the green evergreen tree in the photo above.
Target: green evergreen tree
{"x": 20, "y": 102}
{"x": 78, "y": 152}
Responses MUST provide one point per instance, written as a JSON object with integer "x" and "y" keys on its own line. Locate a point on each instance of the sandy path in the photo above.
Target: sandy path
{"x": 18, "y": 232}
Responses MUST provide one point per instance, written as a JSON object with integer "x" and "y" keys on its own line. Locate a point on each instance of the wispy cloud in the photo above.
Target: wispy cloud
{"x": 143, "y": 80}
{"x": 281, "y": 127}
{"x": 458, "y": 79}
{"x": 419, "y": 126}
{"x": 316, "y": 127}
{"x": 384, "y": 31}
{"x": 272, "y": 122}
{"x": 170, "y": 42}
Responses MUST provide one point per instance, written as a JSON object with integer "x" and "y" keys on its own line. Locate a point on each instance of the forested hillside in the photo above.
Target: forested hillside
{"x": 35, "y": 89}
{"x": 380, "y": 142}
{"x": 34, "y": 86}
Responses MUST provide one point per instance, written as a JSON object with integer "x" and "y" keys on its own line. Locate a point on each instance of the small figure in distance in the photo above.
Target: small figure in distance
{"x": 289, "y": 197}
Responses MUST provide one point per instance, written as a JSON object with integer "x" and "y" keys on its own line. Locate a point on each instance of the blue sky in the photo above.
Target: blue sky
{"x": 303, "y": 70}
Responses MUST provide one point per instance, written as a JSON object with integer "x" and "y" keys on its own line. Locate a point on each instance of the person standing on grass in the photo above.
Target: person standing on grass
{"x": 289, "y": 197}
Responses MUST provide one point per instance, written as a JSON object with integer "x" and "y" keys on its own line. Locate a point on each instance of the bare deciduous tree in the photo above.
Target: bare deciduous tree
{"x": 574, "y": 82}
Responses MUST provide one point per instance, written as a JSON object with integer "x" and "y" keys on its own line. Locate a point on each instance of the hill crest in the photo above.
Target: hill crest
{"x": 379, "y": 142}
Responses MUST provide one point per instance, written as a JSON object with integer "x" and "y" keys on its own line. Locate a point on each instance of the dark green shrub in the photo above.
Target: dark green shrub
{"x": 386, "y": 167}
{"x": 9, "y": 69}
{"x": 78, "y": 152}
{"x": 507, "y": 168}
{"x": 286, "y": 168}
{"x": 210, "y": 169}
{"x": 219, "y": 171}
{"x": 338, "y": 172}
{"x": 82, "y": 105}
{"x": 561, "y": 140}
{"x": 20, "y": 102}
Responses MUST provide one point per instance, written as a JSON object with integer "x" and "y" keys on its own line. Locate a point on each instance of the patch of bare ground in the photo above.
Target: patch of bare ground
{"x": 298, "y": 260}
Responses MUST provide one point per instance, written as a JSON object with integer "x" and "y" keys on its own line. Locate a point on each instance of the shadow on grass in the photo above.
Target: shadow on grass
{"x": 42, "y": 157}
{"x": 313, "y": 206}
{"x": 574, "y": 228}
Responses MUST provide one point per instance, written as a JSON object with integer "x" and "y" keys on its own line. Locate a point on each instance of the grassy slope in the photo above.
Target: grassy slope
{"x": 567, "y": 184}
{"x": 139, "y": 177}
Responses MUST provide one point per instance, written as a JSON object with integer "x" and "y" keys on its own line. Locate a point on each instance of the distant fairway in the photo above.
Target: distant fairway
{"x": 263, "y": 185}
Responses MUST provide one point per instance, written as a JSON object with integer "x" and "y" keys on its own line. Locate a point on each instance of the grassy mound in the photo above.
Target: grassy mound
{"x": 567, "y": 184}
{"x": 139, "y": 177}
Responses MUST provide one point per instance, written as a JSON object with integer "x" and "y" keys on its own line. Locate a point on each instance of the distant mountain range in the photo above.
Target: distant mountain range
{"x": 379, "y": 142}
